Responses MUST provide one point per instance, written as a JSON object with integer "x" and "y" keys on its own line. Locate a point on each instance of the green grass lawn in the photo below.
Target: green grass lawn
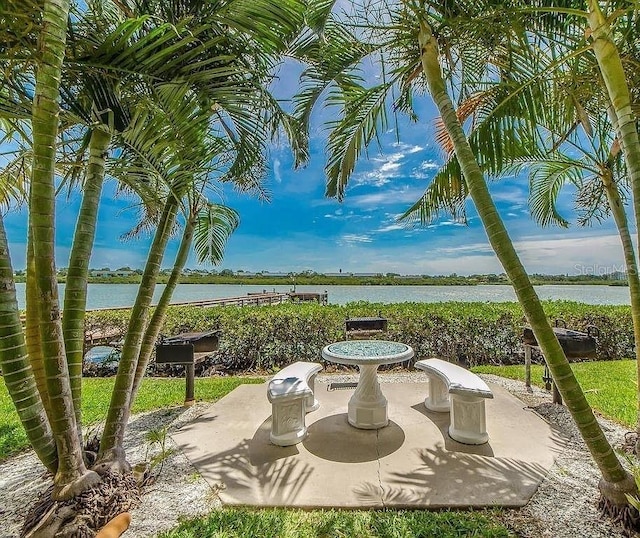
{"x": 610, "y": 386}
{"x": 281, "y": 523}
{"x": 155, "y": 393}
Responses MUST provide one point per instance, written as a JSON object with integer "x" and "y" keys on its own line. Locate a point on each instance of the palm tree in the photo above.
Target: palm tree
{"x": 178, "y": 164}
{"x": 246, "y": 114}
{"x": 225, "y": 62}
{"x": 207, "y": 229}
{"x": 616, "y": 482}
{"x": 14, "y": 362}
{"x": 408, "y": 53}
{"x": 187, "y": 169}
{"x": 71, "y": 474}
{"x": 574, "y": 113}
{"x": 625, "y": 123}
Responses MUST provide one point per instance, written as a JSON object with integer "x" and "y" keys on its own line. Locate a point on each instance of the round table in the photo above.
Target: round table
{"x": 367, "y": 406}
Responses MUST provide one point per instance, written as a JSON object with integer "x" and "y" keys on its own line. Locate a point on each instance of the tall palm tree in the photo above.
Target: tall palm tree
{"x": 187, "y": 170}
{"x": 408, "y": 53}
{"x": 71, "y": 474}
{"x": 625, "y": 123}
{"x": 574, "y": 113}
{"x": 207, "y": 229}
{"x": 246, "y": 114}
{"x": 14, "y": 361}
{"x": 616, "y": 482}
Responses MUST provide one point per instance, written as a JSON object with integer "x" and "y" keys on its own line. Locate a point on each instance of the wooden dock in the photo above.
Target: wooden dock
{"x": 251, "y": 299}
{"x": 102, "y": 337}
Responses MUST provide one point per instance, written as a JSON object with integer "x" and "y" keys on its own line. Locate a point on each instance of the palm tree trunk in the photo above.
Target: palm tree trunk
{"x": 112, "y": 453}
{"x": 32, "y": 331}
{"x": 617, "y": 481}
{"x": 75, "y": 294}
{"x": 624, "y": 123}
{"x": 620, "y": 217}
{"x": 612, "y": 71}
{"x": 72, "y": 475}
{"x": 157, "y": 319}
{"x": 631, "y": 264}
{"x": 16, "y": 370}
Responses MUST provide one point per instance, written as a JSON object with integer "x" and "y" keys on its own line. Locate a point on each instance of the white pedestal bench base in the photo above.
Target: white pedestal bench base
{"x": 468, "y": 420}
{"x": 437, "y": 396}
{"x": 291, "y": 395}
{"x": 288, "y": 425}
{"x": 461, "y": 393}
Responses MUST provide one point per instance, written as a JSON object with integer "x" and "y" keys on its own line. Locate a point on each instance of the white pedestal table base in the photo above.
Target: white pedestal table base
{"x": 368, "y": 406}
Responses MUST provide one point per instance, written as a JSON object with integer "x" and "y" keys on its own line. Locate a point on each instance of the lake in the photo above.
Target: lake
{"x": 115, "y": 295}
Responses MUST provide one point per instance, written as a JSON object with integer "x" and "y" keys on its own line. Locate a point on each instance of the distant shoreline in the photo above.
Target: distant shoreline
{"x": 319, "y": 280}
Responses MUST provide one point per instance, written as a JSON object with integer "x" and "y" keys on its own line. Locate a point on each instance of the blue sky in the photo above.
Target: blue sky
{"x": 301, "y": 229}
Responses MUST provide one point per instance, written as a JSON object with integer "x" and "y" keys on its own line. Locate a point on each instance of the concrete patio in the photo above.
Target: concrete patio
{"x": 411, "y": 463}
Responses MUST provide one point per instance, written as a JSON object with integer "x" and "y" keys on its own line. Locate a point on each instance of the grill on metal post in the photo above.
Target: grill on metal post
{"x": 186, "y": 349}
{"x": 575, "y": 344}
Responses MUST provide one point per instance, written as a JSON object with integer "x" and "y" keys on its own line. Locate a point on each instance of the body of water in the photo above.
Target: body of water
{"x": 118, "y": 295}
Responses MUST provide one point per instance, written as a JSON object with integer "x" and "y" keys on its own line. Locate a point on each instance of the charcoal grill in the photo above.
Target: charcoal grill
{"x": 575, "y": 344}
{"x": 365, "y": 326}
{"x": 186, "y": 349}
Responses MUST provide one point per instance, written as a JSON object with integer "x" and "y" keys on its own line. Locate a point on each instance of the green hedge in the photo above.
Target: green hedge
{"x": 481, "y": 333}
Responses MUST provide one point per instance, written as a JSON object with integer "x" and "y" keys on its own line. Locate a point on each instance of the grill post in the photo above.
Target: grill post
{"x": 189, "y": 374}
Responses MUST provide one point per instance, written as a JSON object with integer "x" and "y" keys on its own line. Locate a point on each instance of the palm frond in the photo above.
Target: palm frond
{"x": 15, "y": 179}
{"x": 545, "y": 183}
{"x": 364, "y": 115}
{"x": 214, "y": 225}
{"x": 446, "y": 194}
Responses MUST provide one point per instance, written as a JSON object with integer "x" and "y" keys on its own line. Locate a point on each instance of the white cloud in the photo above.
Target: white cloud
{"x": 390, "y": 228}
{"x": 351, "y": 216}
{"x": 474, "y": 248}
{"x": 459, "y": 251}
{"x": 354, "y": 238}
{"x": 445, "y": 223}
{"x": 407, "y": 148}
{"x": 512, "y": 195}
{"x": 388, "y": 167}
{"x": 424, "y": 170}
{"x": 405, "y": 195}
{"x": 276, "y": 171}
{"x": 573, "y": 254}
{"x": 337, "y": 214}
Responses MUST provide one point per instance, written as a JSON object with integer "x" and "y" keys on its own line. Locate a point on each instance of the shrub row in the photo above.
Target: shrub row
{"x": 263, "y": 338}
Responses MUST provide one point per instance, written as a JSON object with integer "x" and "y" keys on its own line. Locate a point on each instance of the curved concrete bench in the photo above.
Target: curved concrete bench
{"x": 460, "y": 392}
{"x": 291, "y": 393}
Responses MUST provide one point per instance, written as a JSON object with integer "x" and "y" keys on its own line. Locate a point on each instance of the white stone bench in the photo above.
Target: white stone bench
{"x": 291, "y": 393}
{"x": 460, "y": 392}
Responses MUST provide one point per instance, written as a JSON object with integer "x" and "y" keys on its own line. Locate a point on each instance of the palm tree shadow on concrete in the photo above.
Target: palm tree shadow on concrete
{"x": 445, "y": 479}
{"x": 454, "y": 474}
{"x": 253, "y": 471}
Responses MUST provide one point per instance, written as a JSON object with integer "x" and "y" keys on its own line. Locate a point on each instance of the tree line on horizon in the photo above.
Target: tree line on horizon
{"x": 228, "y": 276}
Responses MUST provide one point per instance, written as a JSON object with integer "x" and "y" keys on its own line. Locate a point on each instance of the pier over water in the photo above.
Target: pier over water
{"x": 265, "y": 298}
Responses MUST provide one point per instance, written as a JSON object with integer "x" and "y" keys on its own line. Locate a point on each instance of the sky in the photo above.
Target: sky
{"x": 300, "y": 229}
